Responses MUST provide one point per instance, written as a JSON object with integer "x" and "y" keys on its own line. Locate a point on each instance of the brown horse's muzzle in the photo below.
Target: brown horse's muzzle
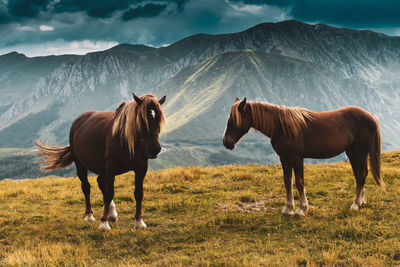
{"x": 228, "y": 142}
{"x": 153, "y": 152}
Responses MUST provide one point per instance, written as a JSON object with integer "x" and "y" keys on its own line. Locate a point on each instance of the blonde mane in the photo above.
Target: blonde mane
{"x": 267, "y": 117}
{"x": 129, "y": 116}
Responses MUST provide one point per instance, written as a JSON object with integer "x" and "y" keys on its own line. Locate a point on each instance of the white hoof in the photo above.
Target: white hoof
{"x": 112, "y": 213}
{"x": 104, "y": 226}
{"x": 300, "y": 212}
{"x": 287, "y": 210}
{"x": 140, "y": 224}
{"x": 89, "y": 217}
{"x": 354, "y": 207}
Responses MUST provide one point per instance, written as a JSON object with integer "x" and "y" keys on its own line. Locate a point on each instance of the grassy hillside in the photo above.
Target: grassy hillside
{"x": 227, "y": 215}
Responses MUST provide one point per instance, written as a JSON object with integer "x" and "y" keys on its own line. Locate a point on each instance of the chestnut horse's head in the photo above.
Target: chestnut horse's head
{"x": 141, "y": 121}
{"x": 239, "y": 123}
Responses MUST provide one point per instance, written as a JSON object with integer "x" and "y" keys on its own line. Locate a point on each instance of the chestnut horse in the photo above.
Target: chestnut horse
{"x": 108, "y": 144}
{"x": 297, "y": 133}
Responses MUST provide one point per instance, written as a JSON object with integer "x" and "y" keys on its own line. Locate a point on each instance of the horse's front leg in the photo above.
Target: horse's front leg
{"x": 287, "y": 176}
{"x": 112, "y": 214}
{"x": 299, "y": 174}
{"x": 139, "y": 178}
{"x": 108, "y": 195}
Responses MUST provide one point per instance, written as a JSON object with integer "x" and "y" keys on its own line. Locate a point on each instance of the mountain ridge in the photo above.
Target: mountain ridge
{"x": 206, "y": 35}
{"x": 288, "y": 63}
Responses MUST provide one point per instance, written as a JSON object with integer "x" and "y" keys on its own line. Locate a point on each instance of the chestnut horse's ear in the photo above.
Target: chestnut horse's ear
{"x": 242, "y": 105}
{"x": 137, "y": 99}
{"x": 237, "y": 99}
{"x": 162, "y": 100}
{"x": 118, "y": 110}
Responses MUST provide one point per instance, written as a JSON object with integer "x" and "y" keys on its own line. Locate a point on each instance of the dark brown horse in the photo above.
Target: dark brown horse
{"x": 298, "y": 133}
{"x": 108, "y": 144}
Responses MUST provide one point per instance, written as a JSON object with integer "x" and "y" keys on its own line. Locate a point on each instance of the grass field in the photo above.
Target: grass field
{"x": 227, "y": 215}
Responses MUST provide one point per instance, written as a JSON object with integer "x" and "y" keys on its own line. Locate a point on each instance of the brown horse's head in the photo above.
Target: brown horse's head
{"x": 239, "y": 123}
{"x": 152, "y": 119}
{"x": 141, "y": 120}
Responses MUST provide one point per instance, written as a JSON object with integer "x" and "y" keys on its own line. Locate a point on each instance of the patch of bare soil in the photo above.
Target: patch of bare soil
{"x": 253, "y": 206}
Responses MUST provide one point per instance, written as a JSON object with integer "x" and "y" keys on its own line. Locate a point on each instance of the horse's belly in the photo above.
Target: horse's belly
{"x": 326, "y": 148}
{"x": 324, "y": 155}
{"x": 90, "y": 151}
{"x": 91, "y": 159}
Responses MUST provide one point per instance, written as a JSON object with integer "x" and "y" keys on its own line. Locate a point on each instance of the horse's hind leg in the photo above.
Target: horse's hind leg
{"x": 107, "y": 188}
{"x": 299, "y": 175}
{"x": 287, "y": 177}
{"x": 82, "y": 174}
{"x": 360, "y": 190}
{"x": 112, "y": 214}
{"x": 358, "y": 156}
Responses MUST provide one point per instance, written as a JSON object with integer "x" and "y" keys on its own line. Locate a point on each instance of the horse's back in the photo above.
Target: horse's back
{"x": 332, "y": 132}
{"x": 349, "y": 117}
{"x": 363, "y": 122}
{"x": 88, "y": 138}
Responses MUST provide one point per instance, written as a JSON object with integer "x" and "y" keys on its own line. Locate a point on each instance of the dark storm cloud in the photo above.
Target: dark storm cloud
{"x": 281, "y": 3}
{"x": 66, "y": 21}
{"x": 94, "y": 8}
{"x": 4, "y": 16}
{"x": 18, "y": 10}
{"x": 59, "y": 24}
{"x": 180, "y": 4}
{"x": 367, "y": 13}
{"x": 355, "y": 13}
{"x": 145, "y": 11}
{"x": 26, "y": 8}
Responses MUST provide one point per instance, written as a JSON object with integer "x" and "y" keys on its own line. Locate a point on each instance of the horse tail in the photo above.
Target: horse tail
{"x": 54, "y": 158}
{"x": 375, "y": 155}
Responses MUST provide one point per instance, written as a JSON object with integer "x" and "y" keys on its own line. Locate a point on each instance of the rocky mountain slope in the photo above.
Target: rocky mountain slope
{"x": 291, "y": 63}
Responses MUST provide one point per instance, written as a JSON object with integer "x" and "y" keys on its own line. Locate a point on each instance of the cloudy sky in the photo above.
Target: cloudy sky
{"x": 43, "y": 27}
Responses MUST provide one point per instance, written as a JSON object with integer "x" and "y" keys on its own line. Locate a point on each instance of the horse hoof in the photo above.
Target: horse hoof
{"x": 300, "y": 212}
{"x": 89, "y": 218}
{"x": 113, "y": 219}
{"x": 112, "y": 214}
{"x": 287, "y": 211}
{"x": 104, "y": 226}
{"x": 354, "y": 207}
{"x": 140, "y": 224}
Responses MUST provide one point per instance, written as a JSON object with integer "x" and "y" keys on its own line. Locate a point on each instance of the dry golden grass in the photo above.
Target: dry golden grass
{"x": 227, "y": 215}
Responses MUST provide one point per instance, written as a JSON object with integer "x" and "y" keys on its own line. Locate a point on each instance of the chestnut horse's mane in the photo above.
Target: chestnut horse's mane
{"x": 267, "y": 117}
{"x": 129, "y": 116}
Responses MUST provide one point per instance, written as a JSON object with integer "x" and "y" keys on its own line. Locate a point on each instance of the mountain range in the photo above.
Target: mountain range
{"x": 318, "y": 67}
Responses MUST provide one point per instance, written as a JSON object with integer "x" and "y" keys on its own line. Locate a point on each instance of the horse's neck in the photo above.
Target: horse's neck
{"x": 265, "y": 120}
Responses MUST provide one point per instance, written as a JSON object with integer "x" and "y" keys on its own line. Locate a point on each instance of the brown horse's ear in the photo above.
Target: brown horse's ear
{"x": 162, "y": 100}
{"x": 237, "y": 99}
{"x": 137, "y": 99}
{"x": 242, "y": 105}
